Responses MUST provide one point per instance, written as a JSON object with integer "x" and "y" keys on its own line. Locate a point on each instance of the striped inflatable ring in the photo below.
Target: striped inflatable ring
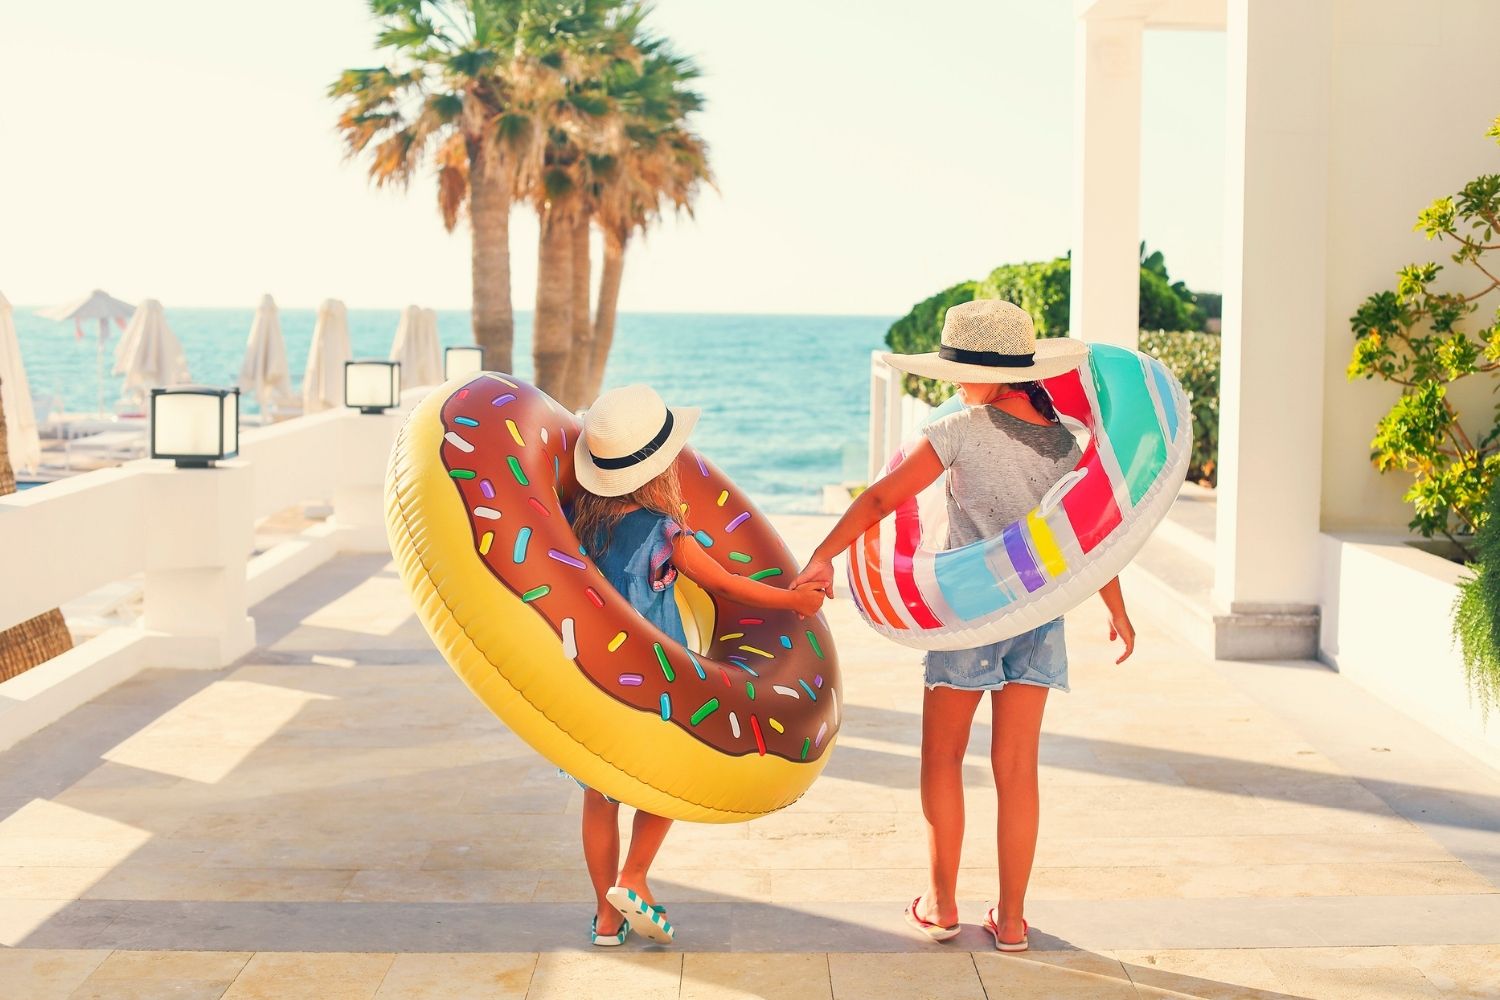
{"x": 1081, "y": 535}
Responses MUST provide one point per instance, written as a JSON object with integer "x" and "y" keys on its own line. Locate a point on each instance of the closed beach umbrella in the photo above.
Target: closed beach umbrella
{"x": 150, "y": 354}
{"x": 323, "y": 381}
{"x": 264, "y": 372}
{"x": 99, "y": 307}
{"x": 415, "y": 348}
{"x": 15, "y": 394}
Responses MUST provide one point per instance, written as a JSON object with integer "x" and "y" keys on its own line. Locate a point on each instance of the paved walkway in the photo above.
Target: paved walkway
{"x": 337, "y": 817}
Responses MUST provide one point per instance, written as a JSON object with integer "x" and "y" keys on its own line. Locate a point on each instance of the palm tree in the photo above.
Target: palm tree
{"x": 451, "y": 96}
{"x": 37, "y": 639}
{"x": 662, "y": 162}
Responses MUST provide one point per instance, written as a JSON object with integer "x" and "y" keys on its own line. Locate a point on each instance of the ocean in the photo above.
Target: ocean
{"x": 785, "y": 398}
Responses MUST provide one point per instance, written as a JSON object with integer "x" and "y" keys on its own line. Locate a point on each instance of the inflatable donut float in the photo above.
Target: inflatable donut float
{"x": 735, "y": 725}
{"x": 1080, "y": 536}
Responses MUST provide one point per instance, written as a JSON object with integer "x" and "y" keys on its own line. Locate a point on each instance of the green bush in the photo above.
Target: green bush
{"x": 1042, "y": 289}
{"x": 1476, "y": 613}
{"x": 920, "y": 330}
{"x": 1411, "y": 336}
{"x": 1193, "y": 356}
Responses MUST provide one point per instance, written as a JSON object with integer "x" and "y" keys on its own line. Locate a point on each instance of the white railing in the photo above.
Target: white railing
{"x": 895, "y": 417}
{"x": 188, "y": 534}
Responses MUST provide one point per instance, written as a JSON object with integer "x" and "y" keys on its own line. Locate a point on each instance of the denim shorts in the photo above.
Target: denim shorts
{"x": 1037, "y": 657}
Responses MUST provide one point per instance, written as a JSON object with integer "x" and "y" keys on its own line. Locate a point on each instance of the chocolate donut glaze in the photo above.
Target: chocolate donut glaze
{"x": 768, "y": 682}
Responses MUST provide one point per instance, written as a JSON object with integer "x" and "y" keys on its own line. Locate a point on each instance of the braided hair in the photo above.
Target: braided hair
{"x": 1039, "y": 398}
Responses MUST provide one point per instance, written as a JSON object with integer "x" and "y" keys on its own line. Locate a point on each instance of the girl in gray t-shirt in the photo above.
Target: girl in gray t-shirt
{"x": 1001, "y": 453}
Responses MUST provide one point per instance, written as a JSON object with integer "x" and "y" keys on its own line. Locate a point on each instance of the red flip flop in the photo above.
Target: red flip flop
{"x": 1007, "y": 946}
{"x": 928, "y": 929}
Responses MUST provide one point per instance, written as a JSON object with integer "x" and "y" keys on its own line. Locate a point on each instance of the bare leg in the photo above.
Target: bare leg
{"x": 1013, "y": 755}
{"x": 647, "y": 832}
{"x": 946, "y": 716}
{"x": 601, "y": 853}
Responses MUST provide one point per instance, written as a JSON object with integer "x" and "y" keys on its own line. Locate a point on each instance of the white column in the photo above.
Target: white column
{"x": 359, "y": 499}
{"x": 199, "y": 529}
{"x": 1279, "y": 55}
{"x": 1106, "y": 291}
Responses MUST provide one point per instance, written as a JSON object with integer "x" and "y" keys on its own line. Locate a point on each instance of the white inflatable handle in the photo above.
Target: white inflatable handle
{"x": 1051, "y": 498}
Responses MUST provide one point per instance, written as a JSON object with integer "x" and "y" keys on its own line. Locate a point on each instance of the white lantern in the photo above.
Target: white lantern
{"x": 372, "y": 386}
{"x": 195, "y": 426}
{"x": 460, "y": 361}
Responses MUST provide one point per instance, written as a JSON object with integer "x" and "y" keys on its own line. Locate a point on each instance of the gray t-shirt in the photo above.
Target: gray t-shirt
{"x": 999, "y": 467}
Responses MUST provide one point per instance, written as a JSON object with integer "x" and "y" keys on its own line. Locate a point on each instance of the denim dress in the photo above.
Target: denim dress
{"x": 637, "y": 562}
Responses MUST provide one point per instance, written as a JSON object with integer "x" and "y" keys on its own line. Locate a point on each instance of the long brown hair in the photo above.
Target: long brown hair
{"x": 595, "y": 517}
{"x": 1038, "y": 398}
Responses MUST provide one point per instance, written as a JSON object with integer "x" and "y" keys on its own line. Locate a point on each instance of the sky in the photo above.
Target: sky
{"x": 866, "y": 156}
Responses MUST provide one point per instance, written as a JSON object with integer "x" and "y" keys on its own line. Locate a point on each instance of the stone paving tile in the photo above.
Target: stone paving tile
{"x": 133, "y": 881}
{"x": 487, "y": 976}
{"x": 1350, "y": 974}
{"x": 1053, "y": 975}
{"x": 755, "y": 977}
{"x": 948, "y": 976}
{"x": 604, "y": 975}
{"x": 1210, "y": 974}
{"x": 1463, "y": 972}
{"x": 147, "y": 975}
{"x": 46, "y": 974}
{"x": 310, "y": 975}
{"x": 442, "y": 887}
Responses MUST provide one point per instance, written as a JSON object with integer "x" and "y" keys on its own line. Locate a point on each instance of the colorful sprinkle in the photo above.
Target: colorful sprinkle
{"x": 738, "y": 521}
{"x": 701, "y": 467}
{"x": 661, "y": 657}
{"x": 818, "y": 681}
{"x": 593, "y": 596}
{"x": 461, "y": 473}
{"x": 746, "y": 668}
{"x": 739, "y": 557}
{"x": 806, "y": 745}
{"x": 696, "y": 665}
{"x": 758, "y": 652}
{"x": 786, "y": 641}
{"x": 725, "y": 674}
{"x": 731, "y": 635}
{"x": 515, "y": 470}
{"x": 502, "y": 400}
{"x": 564, "y": 434}
{"x": 776, "y": 725}
{"x": 666, "y": 707}
{"x": 704, "y": 539}
{"x": 463, "y": 394}
{"x": 515, "y": 432}
{"x": 750, "y": 690}
{"x": 523, "y": 539}
{"x": 617, "y": 641}
{"x": 816, "y": 648}
{"x": 752, "y": 621}
{"x": 543, "y": 432}
{"x": 835, "y": 693}
{"x": 765, "y": 573}
{"x": 485, "y": 541}
{"x": 723, "y": 496}
{"x": 487, "y": 488}
{"x": 570, "y": 639}
{"x": 458, "y": 442}
{"x": 708, "y": 708}
{"x": 556, "y": 469}
{"x": 539, "y": 507}
{"x": 734, "y": 725}
{"x": 535, "y": 593}
{"x": 488, "y": 513}
{"x": 466, "y": 421}
{"x": 631, "y": 680}
{"x": 566, "y": 559}
{"x": 760, "y": 739}
{"x": 808, "y": 688}
{"x": 683, "y": 508}
{"x": 786, "y": 692}
{"x": 822, "y": 731}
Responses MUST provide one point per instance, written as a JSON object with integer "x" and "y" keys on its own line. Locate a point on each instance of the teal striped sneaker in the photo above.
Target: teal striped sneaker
{"x": 646, "y": 919}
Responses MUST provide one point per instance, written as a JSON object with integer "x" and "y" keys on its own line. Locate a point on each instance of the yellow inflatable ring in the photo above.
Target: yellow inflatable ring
{"x": 732, "y": 729}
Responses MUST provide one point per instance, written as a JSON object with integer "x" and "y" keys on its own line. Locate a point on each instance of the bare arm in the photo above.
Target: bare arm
{"x": 1119, "y": 622}
{"x": 700, "y": 567}
{"x": 912, "y": 476}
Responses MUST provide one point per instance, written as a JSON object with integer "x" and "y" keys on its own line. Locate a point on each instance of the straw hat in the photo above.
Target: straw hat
{"x": 629, "y": 438}
{"x": 991, "y": 340}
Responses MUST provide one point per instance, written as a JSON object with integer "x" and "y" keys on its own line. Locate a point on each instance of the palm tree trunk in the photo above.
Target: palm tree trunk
{"x": 553, "y": 334}
{"x": 37, "y": 639}
{"x": 581, "y": 359}
{"x": 489, "y": 224}
{"x": 610, "y": 273}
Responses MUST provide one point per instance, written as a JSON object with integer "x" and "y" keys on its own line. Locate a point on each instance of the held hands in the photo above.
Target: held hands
{"x": 1120, "y": 628}
{"x": 818, "y": 574}
{"x": 806, "y": 600}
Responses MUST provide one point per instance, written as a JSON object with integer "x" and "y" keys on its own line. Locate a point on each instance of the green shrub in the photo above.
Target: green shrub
{"x": 1193, "y": 356}
{"x": 1411, "y": 336}
{"x": 1042, "y": 289}
{"x": 1476, "y": 613}
{"x": 920, "y": 331}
